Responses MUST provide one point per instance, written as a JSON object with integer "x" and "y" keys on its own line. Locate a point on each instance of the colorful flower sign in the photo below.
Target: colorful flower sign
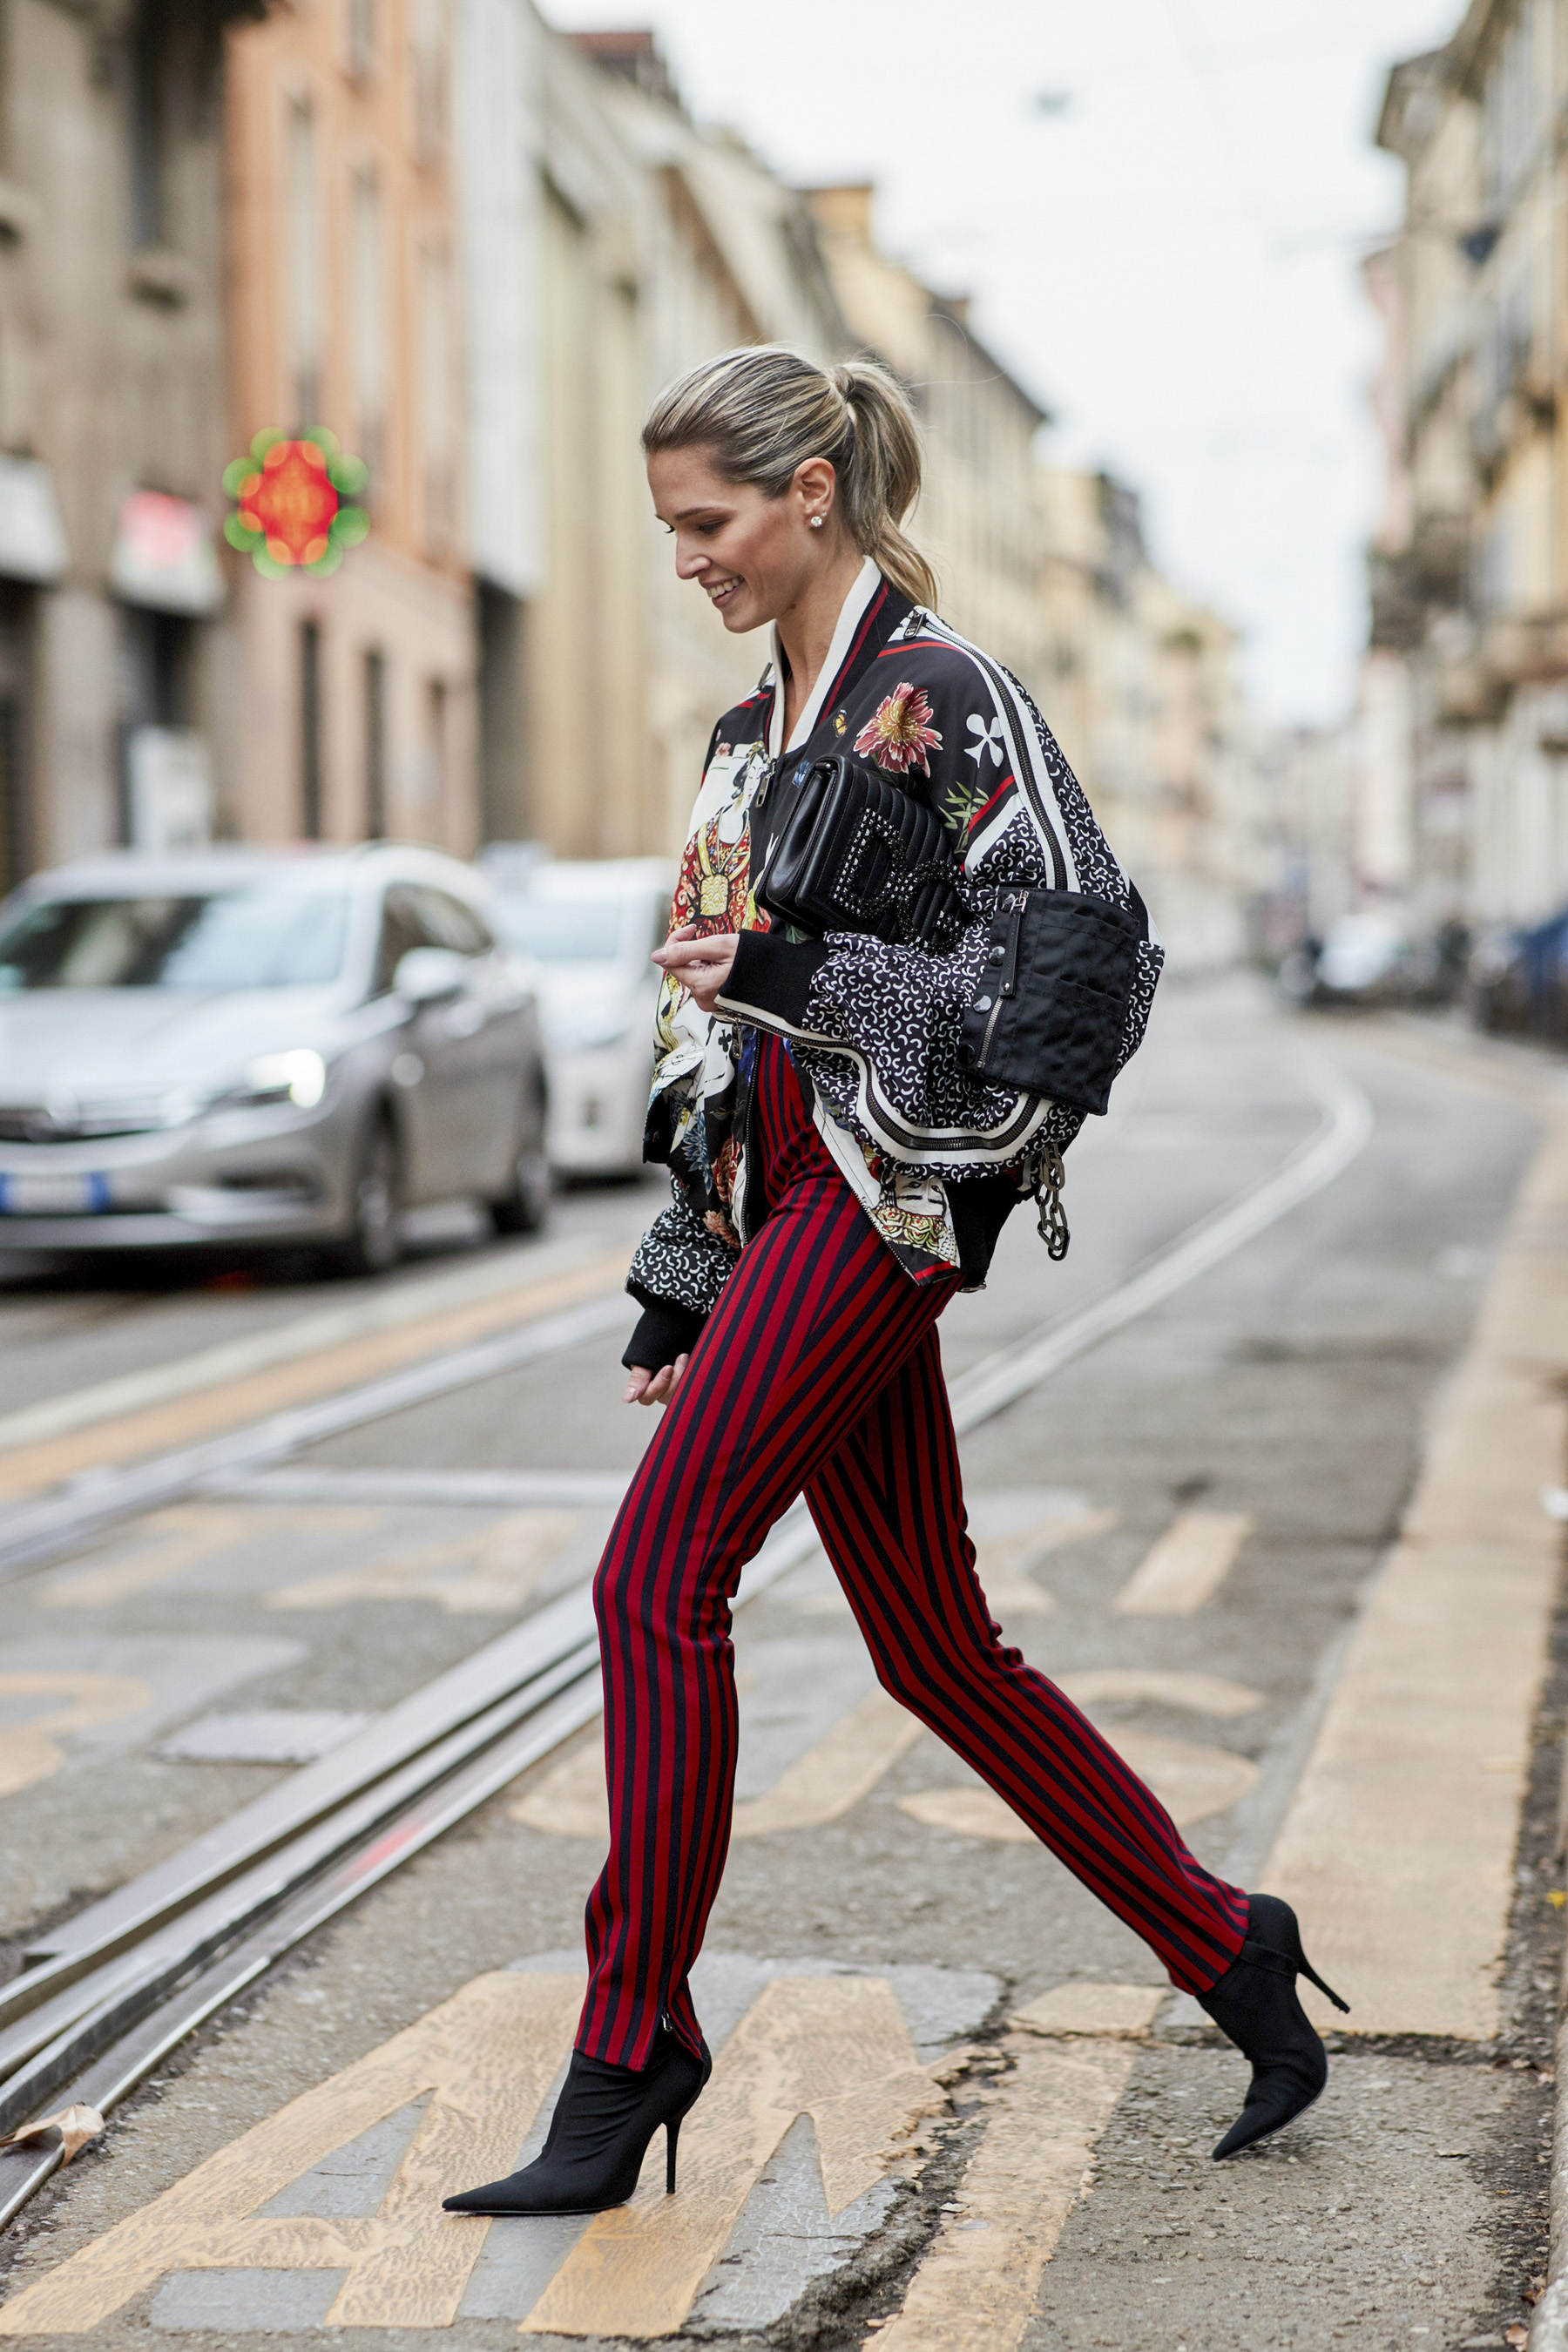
{"x": 295, "y": 506}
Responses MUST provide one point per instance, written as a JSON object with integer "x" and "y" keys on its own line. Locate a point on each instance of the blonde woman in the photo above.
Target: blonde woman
{"x": 838, "y": 1174}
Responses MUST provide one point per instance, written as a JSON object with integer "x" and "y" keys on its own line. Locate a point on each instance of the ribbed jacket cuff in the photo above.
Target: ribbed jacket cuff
{"x": 771, "y": 978}
{"x": 663, "y": 1332}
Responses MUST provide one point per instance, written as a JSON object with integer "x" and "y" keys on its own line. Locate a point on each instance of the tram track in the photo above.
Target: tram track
{"x": 105, "y": 1998}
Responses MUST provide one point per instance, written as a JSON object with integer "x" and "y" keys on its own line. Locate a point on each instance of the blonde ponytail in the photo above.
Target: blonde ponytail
{"x": 764, "y": 410}
{"x": 883, "y": 479}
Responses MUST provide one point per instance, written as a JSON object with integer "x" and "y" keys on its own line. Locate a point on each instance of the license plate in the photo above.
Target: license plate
{"x": 53, "y": 1196}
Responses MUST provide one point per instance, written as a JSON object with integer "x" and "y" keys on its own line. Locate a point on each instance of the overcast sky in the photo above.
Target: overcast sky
{"x": 1170, "y": 264}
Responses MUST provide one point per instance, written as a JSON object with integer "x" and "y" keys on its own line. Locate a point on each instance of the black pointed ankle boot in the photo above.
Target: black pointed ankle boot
{"x": 599, "y": 2134}
{"x": 1255, "y": 2003}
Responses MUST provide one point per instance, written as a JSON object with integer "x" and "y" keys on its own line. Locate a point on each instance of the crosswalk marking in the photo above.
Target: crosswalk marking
{"x": 167, "y": 1545}
{"x": 834, "y": 1774}
{"x": 836, "y": 1771}
{"x": 1191, "y": 1781}
{"x": 1120, "y": 2012}
{"x": 32, "y": 1752}
{"x": 978, "y": 2282}
{"x": 488, "y": 2056}
{"x": 834, "y": 2048}
{"x": 490, "y": 1570}
{"x": 1187, "y": 1567}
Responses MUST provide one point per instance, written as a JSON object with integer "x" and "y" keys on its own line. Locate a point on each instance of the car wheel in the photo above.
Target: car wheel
{"x": 523, "y": 1208}
{"x": 373, "y": 1242}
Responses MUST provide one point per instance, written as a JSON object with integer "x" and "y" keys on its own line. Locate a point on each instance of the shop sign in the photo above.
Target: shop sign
{"x": 163, "y": 555}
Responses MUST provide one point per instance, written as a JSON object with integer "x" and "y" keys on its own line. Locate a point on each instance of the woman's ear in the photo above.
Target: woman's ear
{"x": 816, "y": 485}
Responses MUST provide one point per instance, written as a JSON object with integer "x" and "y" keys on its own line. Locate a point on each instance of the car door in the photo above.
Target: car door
{"x": 475, "y": 1048}
{"x": 430, "y": 1158}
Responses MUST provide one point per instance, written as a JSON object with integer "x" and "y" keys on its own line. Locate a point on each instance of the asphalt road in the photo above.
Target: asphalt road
{"x": 1266, "y": 1422}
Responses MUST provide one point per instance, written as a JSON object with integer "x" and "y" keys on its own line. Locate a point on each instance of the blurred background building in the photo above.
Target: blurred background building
{"x": 1461, "y": 790}
{"x": 469, "y": 249}
{"x": 112, "y": 422}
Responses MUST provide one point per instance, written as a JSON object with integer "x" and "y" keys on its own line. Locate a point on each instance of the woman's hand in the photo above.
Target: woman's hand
{"x": 654, "y": 1387}
{"x": 702, "y": 966}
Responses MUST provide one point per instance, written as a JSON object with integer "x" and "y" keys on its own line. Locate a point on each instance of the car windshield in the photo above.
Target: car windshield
{"x": 564, "y": 930}
{"x": 259, "y": 938}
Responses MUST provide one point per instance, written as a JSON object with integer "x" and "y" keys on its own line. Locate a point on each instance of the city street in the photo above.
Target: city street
{"x": 954, "y": 2103}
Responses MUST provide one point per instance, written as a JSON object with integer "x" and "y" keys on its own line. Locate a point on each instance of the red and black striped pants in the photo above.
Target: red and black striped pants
{"x": 819, "y": 1371}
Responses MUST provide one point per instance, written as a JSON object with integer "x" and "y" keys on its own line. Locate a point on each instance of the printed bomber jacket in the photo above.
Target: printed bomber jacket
{"x": 936, "y": 1156}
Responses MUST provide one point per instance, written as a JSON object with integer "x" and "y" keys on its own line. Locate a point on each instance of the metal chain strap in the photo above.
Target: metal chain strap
{"x": 1054, "y": 1230}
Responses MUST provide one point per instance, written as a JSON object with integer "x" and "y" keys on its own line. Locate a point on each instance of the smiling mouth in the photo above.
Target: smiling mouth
{"x": 722, "y": 592}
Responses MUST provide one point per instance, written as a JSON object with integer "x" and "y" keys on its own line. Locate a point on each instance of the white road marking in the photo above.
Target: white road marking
{"x": 490, "y": 1570}
{"x": 979, "y": 2281}
{"x": 1190, "y": 1781}
{"x": 488, "y": 2056}
{"x": 1119, "y": 2011}
{"x": 31, "y": 1751}
{"x": 832, "y": 1775}
{"x": 169, "y": 1544}
{"x": 1397, "y": 1816}
{"x": 1187, "y": 1567}
{"x": 834, "y": 2048}
{"x": 515, "y": 1272}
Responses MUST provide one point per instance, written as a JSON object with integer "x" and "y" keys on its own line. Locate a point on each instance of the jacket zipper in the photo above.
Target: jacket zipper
{"x": 1014, "y": 906}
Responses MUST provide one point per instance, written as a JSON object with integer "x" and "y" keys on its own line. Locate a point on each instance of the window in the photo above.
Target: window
{"x": 430, "y": 79}
{"x": 304, "y": 323}
{"x": 144, "y": 98}
{"x": 310, "y": 730}
{"x": 268, "y": 937}
{"x": 438, "y": 403}
{"x": 361, "y": 38}
{"x": 403, "y": 927}
{"x": 376, "y": 744}
{"x": 452, "y": 924}
{"x": 369, "y": 322}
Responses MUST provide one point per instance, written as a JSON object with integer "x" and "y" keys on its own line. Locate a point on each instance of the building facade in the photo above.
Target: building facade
{"x": 353, "y": 694}
{"x": 1144, "y": 693}
{"x": 111, "y": 628}
{"x": 1464, "y": 775}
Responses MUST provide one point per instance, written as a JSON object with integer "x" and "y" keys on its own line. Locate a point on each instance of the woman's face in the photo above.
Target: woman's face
{"x": 754, "y": 556}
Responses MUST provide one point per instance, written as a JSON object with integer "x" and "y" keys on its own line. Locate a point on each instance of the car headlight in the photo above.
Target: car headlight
{"x": 300, "y": 1077}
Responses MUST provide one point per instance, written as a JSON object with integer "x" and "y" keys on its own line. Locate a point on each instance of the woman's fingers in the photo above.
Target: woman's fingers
{"x": 644, "y": 1387}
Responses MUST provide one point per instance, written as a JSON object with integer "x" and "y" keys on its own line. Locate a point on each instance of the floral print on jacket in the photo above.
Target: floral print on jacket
{"x": 873, "y": 1028}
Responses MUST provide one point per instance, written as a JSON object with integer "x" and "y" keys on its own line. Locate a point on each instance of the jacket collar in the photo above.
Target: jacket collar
{"x": 870, "y": 612}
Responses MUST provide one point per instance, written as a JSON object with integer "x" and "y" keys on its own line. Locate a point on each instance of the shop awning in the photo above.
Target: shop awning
{"x": 32, "y": 537}
{"x": 164, "y": 556}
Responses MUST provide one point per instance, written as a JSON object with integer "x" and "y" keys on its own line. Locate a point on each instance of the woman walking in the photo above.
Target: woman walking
{"x": 840, "y": 1170}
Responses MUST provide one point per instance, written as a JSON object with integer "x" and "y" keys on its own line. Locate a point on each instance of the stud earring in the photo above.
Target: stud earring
{"x": 816, "y": 521}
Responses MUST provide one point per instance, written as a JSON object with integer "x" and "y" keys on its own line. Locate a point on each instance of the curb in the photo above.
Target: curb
{"x": 1549, "y": 2324}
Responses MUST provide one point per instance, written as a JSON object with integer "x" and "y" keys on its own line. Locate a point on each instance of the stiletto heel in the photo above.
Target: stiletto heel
{"x": 1255, "y": 2003}
{"x": 599, "y": 2134}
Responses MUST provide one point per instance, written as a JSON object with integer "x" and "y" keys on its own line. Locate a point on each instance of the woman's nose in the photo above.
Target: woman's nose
{"x": 690, "y": 561}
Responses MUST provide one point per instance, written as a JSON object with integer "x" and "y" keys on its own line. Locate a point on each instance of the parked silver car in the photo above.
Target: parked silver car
{"x": 589, "y": 925}
{"x": 249, "y": 1047}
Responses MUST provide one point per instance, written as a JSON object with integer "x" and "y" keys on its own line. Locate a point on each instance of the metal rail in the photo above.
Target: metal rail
{"x": 117, "y": 1988}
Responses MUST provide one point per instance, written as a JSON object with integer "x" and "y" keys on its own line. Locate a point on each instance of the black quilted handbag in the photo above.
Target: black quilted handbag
{"x": 1050, "y": 1009}
{"x": 847, "y": 851}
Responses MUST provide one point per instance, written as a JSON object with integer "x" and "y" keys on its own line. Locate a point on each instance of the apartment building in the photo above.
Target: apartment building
{"x": 977, "y": 521}
{"x": 1142, "y": 691}
{"x": 354, "y": 691}
{"x": 111, "y": 596}
{"x": 1465, "y": 773}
